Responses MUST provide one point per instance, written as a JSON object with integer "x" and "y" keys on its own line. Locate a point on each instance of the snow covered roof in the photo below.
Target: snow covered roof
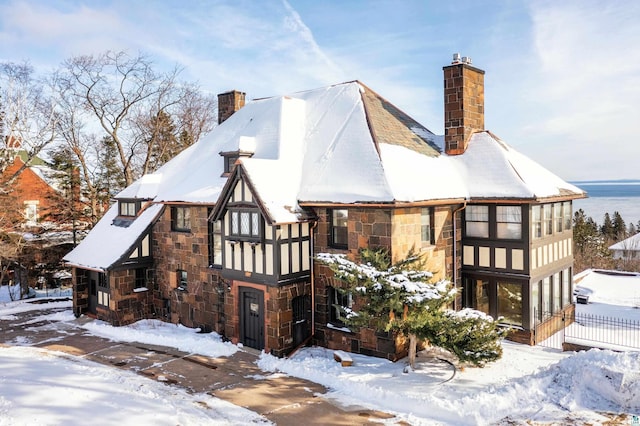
{"x": 342, "y": 144}
{"x": 629, "y": 244}
{"x": 491, "y": 169}
{"x": 107, "y": 243}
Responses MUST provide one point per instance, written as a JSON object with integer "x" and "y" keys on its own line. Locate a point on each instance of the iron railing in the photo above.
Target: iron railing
{"x": 591, "y": 330}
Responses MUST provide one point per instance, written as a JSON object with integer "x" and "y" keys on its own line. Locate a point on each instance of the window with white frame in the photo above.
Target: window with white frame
{"x": 568, "y": 216}
{"x": 215, "y": 251}
{"x": 558, "y": 217}
{"x": 509, "y": 222}
{"x": 547, "y": 219}
{"x": 426, "y": 226}
{"x": 536, "y": 222}
{"x": 340, "y": 302}
{"x": 477, "y": 221}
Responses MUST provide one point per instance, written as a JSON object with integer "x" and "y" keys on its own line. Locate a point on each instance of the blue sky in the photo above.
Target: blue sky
{"x": 562, "y": 78}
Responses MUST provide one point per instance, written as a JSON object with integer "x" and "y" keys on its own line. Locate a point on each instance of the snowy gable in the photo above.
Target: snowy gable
{"x": 341, "y": 163}
{"x": 492, "y": 169}
{"x": 107, "y": 243}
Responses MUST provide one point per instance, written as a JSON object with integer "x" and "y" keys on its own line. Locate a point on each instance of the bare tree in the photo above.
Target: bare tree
{"x": 126, "y": 95}
{"x": 28, "y": 115}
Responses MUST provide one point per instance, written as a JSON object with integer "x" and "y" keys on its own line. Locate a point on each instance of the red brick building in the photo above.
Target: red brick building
{"x": 224, "y": 236}
{"x": 33, "y": 190}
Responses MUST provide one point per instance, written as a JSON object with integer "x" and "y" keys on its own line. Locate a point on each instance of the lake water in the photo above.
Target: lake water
{"x": 609, "y": 197}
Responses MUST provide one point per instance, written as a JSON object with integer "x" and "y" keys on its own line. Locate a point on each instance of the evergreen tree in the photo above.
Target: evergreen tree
{"x": 400, "y": 297}
{"x": 631, "y": 229}
{"x": 607, "y": 229}
{"x": 110, "y": 178}
{"x": 68, "y": 206}
{"x": 584, "y": 230}
{"x": 619, "y": 227}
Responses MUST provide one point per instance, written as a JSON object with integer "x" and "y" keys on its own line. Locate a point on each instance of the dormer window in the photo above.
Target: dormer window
{"x": 246, "y": 150}
{"x": 127, "y": 208}
{"x": 229, "y": 161}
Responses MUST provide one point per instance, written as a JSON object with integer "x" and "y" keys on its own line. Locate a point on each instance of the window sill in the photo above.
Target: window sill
{"x": 339, "y": 328}
{"x": 140, "y": 289}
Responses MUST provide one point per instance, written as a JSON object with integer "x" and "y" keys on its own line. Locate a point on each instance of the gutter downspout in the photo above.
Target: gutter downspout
{"x": 313, "y": 282}
{"x": 455, "y": 252}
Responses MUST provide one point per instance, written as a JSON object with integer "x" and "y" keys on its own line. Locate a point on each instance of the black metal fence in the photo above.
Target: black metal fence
{"x": 605, "y": 332}
{"x": 594, "y": 331}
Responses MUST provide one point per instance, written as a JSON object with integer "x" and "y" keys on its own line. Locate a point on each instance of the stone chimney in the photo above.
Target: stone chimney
{"x": 228, "y": 103}
{"x": 463, "y": 104}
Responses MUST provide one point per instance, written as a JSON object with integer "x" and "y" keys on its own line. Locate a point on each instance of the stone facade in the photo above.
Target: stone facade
{"x": 197, "y": 305}
{"x": 364, "y": 341}
{"x": 399, "y": 231}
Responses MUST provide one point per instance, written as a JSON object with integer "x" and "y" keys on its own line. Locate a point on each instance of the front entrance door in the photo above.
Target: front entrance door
{"x": 252, "y": 318}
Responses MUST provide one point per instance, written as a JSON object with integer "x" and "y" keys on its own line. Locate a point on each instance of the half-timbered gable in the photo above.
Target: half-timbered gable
{"x": 254, "y": 246}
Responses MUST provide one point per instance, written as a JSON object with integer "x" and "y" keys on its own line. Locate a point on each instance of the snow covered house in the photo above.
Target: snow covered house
{"x": 224, "y": 235}
{"x": 627, "y": 249}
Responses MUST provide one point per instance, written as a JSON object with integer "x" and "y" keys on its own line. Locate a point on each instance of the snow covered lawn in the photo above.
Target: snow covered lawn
{"x": 528, "y": 384}
{"x": 50, "y": 388}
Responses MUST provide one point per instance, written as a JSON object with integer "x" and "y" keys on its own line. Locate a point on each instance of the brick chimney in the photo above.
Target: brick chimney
{"x": 463, "y": 104}
{"x": 228, "y": 103}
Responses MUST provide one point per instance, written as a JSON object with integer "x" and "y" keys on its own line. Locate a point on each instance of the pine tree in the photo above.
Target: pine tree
{"x": 400, "y": 298}
{"x": 619, "y": 227}
{"x": 607, "y": 227}
{"x": 631, "y": 229}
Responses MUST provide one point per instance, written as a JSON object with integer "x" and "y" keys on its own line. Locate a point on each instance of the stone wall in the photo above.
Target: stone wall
{"x": 199, "y": 305}
{"x": 126, "y": 305}
{"x": 364, "y": 341}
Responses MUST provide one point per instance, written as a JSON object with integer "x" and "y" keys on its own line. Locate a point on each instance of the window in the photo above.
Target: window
{"x": 339, "y": 300}
{"x": 141, "y": 278}
{"x": 557, "y": 216}
{"x": 245, "y": 224}
{"x": 510, "y": 302}
{"x": 127, "y": 208}
{"x": 548, "y": 219}
{"x": 182, "y": 279}
{"x": 556, "y": 297}
{"x": 566, "y": 287}
{"x": 509, "y": 220}
{"x": 180, "y": 219}
{"x": 229, "y": 162}
{"x": 339, "y": 234}
{"x": 536, "y": 222}
{"x": 215, "y": 243}
{"x": 477, "y": 294}
{"x": 477, "y": 221}
{"x": 426, "y": 226}
{"x": 31, "y": 212}
{"x": 536, "y": 314}
{"x": 546, "y": 296}
{"x": 566, "y": 211}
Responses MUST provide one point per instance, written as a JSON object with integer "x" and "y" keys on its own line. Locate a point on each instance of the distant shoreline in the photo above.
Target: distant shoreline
{"x": 606, "y": 182}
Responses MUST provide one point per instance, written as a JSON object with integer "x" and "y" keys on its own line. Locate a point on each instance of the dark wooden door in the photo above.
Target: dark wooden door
{"x": 93, "y": 295}
{"x": 301, "y": 306}
{"x": 252, "y": 318}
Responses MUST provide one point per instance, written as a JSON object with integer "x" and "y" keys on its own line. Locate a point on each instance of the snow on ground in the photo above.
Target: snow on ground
{"x": 535, "y": 384}
{"x": 50, "y": 388}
